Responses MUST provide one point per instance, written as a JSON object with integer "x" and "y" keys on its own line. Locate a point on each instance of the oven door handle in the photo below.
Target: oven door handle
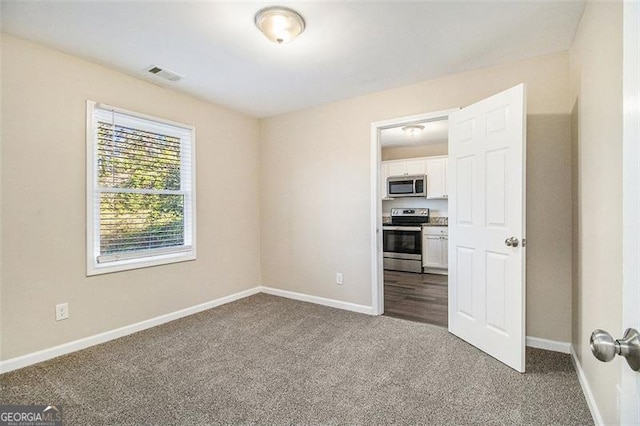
{"x": 402, "y": 228}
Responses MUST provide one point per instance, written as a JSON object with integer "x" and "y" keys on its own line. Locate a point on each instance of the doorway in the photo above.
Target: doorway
{"x": 412, "y": 148}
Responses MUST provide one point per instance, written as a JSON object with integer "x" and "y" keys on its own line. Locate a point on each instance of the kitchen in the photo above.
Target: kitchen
{"x": 413, "y": 185}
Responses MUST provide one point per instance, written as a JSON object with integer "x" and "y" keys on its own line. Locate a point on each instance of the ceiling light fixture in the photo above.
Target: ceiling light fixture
{"x": 279, "y": 24}
{"x": 413, "y": 130}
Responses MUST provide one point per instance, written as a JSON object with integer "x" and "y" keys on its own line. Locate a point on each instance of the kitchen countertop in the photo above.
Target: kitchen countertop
{"x": 421, "y": 224}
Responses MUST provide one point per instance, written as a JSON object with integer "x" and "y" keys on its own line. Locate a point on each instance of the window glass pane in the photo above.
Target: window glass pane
{"x": 130, "y": 158}
{"x": 135, "y": 222}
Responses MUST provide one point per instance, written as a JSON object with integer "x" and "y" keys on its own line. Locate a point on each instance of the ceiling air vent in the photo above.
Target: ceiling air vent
{"x": 165, "y": 73}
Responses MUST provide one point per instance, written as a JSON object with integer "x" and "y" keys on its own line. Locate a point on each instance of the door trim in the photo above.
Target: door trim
{"x": 377, "y": 275}
{"x": 628, "y": 404}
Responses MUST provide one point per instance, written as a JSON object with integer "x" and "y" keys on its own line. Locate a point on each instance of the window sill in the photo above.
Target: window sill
{"x": 94, "y": 268}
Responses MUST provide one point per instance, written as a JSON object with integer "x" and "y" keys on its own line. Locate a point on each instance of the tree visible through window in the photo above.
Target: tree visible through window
{"x": 142, "y": 191}
{"x": 138, "y": 161}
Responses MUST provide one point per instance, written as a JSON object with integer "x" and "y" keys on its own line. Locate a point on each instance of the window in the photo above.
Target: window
{"x": 140, "y": 190}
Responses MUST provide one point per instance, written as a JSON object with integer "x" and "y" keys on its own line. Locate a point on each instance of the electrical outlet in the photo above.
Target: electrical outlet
{"x": 339, "y": 278}
{"x": 62, "y": 311}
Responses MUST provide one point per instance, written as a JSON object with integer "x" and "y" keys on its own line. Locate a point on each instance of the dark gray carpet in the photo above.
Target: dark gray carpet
{"x": 268, "y": 360}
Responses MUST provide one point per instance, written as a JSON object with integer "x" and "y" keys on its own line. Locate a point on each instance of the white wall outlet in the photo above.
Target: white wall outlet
{"x": 62, "y": 311}
{"x": 339, "y": 278}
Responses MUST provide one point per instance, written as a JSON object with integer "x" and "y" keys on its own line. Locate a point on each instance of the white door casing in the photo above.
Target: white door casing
{"x": 377, "y": 274}
{"x": 630, "y": 380}
{"x": 486, "y": 174}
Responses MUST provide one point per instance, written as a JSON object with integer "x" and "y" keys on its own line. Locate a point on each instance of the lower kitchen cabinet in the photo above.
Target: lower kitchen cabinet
{"x": 435, "y": 249}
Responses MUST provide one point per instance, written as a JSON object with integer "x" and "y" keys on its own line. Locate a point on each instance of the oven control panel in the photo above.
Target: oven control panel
{"x": 410, "y": 212}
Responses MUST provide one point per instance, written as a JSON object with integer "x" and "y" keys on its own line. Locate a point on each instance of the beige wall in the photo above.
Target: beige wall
{"x": 549, "y": 226}
{"x": 596, "y": 80}
{"x": 43, "y": 204}
{"x": 315, "y": 174}
{"x": 414, "y": 151}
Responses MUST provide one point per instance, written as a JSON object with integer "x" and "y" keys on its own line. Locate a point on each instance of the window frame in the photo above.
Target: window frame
{"x": 126, "y": 262}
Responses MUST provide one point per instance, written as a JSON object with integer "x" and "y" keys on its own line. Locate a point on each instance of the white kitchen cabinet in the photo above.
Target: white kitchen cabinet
{"x": 436, "y": 170}
{"x": 407, "y": 167}
{"x": 417, "y": 166}
{"x": 396, "y": 168}
{"x": 384, "y": 174}
{"x": 435, "y": 249}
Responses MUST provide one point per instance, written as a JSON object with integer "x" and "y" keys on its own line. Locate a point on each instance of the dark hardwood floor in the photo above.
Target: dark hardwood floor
{"x": 416, "y": 297}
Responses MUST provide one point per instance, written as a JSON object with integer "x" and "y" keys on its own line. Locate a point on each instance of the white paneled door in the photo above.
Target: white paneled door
{"x": 487, "y": 225}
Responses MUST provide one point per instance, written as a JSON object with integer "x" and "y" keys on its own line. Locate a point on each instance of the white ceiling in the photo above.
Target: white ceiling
{"x": 435, "y": 132}
{"x": 348, "y": 48}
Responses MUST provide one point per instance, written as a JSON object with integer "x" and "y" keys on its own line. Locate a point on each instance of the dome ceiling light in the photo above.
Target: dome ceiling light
{"x": 279, "y": 24}
{"x": 413, "y": 130}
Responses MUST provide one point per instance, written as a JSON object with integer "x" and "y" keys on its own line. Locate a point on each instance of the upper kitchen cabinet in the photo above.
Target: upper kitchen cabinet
{"x": 408, "y": 167}
{"x": 384, "y": 174}
{"x": 436, "y": 168}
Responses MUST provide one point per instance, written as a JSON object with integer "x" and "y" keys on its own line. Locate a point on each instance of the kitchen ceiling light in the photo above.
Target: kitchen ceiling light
{"x": 279, "y": 24}
{"x": 413, "y": 130}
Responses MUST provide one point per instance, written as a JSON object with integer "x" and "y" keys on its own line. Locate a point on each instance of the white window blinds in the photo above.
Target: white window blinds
{"x": 142, "y": 186}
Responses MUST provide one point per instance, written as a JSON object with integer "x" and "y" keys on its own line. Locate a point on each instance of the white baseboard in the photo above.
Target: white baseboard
{"x": 549, "y": 345}
{"x": 347, "y": 306}
{"x": 586, "y": 389}
{"x": 76, "y": 345}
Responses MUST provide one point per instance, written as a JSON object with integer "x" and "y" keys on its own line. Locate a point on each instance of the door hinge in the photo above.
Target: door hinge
{"x": 524, "y": 242}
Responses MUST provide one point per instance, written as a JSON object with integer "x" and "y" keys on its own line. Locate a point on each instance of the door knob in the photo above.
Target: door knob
{"x": 605, "y": 348}
{"x": 511, "y": 242}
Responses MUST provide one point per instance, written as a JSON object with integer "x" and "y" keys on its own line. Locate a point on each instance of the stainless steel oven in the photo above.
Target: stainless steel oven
{"x": 402, "y": 248}
{"x": 402, "y": 240}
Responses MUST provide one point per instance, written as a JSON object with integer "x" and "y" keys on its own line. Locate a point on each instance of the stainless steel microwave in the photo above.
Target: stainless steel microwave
{"x": 407, "y": 186}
